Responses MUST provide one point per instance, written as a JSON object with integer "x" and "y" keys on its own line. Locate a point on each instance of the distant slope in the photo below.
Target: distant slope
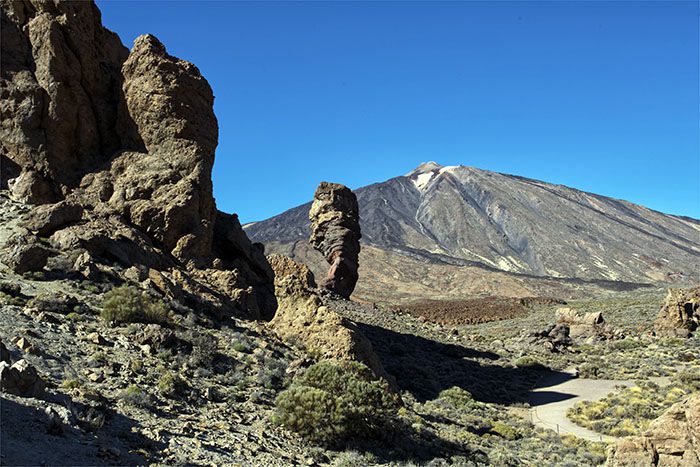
{"x": 466, "y": 217}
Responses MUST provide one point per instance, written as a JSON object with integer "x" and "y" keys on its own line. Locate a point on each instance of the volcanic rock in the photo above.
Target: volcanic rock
{"x": 123, "y": 141}
{"x": 302, "y": 317}
{"x": 680, "y": 313}
{"x": 580, "y": 324}
{"x": 24, "y": 253}
{"x": 20, "y": 379}
{"x": 335, "y": 232}
{"x": 45, "y": 220}
{"x": 4, "y": 353}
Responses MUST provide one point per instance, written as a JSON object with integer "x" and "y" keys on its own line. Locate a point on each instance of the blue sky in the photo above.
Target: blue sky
{"x": 600, "y": 96}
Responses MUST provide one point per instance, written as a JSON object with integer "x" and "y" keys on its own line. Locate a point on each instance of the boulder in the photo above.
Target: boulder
{"x": 680, "y": 314}
{"x": 31, "y": 187}
{"x": 45, "y": 220}
{"x": 24, "y": 253}
{"x": 301, "y": 317}
{"x": 671, "y": 440}
{"x": 582, "y": 325}
{"x": 335, "y": 232}
{"x": 20, "y": 379}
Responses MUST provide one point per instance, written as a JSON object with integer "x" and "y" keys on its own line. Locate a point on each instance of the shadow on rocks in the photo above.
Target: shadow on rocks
{"x": 60, "y": 431}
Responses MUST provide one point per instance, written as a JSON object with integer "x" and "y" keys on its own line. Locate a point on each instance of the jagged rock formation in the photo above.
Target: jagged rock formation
{"x": 123, "y": 143}
{"x": 680, "y": 313}
{"x": 451, "y": 232}
{"x": 335, "y": 232}
{"x": 302, "y": 317}
{"x": 671, "y": 440}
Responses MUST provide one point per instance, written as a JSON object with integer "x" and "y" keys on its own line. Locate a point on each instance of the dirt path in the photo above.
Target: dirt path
{"x": 557, "y": 392}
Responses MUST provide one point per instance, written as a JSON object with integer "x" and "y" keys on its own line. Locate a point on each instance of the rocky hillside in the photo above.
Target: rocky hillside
{"x": 452, "y": 218}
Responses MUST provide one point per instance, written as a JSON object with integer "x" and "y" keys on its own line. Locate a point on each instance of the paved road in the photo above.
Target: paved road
{"x": 557, "y": 392}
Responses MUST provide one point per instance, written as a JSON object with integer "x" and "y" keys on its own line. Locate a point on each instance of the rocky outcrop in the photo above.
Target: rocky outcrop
{"x": 680, "y": 314}
{"x": 118, "y": 148}
{"x": 671, "y": 440}
{"x": 59, "y": 88}
{"x": 20, "y": 379}
{"x": 335, "y": 232}
{"x": 301, "y": 317}
{"x": 580, "y": 324}
{"x": 24, "y": 253}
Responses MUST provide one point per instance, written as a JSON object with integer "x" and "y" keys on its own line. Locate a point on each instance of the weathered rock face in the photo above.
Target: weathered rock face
{"x": 671, "y": 440}
{"x": 680, "y": 313}
{"x": 335, "y": 232}
{"x": 302, "y": 317}
{"x": 59, "y": 84}
{"x": 123, "y": 144}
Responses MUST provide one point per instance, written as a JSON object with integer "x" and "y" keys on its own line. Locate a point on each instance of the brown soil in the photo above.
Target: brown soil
{"x": 475, "y": 310}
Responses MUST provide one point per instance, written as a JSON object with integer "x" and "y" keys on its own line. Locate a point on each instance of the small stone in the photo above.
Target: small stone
{"x": 96, "y": 338}
{"x": 27, "y": 346}
{"x": 44, "y": 317}
{"x": 96, "y": 377}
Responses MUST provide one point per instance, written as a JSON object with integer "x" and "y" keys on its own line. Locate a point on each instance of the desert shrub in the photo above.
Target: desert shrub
{"x": 171, "y": 385}
{"x": 458, "y": 397}
{"x": 332, "y": 401}
{"x": 127, "y": 305}
{"x": 505, "y": 431}
{"x": 529, "y": 362}
{"x": 689, "y": 379}
{"x": 354, "y": 459}
{"x": 628, "y": 411}
{"x": 134, "y": 395}
{"x": 626, "y": 344}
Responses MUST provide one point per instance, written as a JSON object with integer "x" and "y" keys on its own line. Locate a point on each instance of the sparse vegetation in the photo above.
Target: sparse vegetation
{"x": 630, "y": 410}
{"x": 171, "y": 385}
{"x": 333, "y": 401}
{"x": 125, "y": 304}
{"x": 135, "y": 396}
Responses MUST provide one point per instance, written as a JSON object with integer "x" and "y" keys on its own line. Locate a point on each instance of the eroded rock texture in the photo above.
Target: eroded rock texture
{"x": 124, "y": 142}
{"x": 335, "y": 232}
{"x": 680, "y": 313}
{"x": 671, "y": 440}
{"x": 301, "y": 317}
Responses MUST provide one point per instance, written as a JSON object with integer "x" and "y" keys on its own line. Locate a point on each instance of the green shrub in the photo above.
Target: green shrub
{"x": 171, "y": 385}
{"x": 127, "y": 305}
{"x": 334, "y": 401}
{"x": 529, "y": 362}
{"x": 458, "y": 397}
{"x": 505, "y": 431}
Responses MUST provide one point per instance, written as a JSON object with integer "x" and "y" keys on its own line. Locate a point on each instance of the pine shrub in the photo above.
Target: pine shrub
{"x": 333, "y": 401}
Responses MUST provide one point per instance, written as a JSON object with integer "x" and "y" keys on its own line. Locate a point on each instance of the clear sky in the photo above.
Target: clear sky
{"x": 600, "y": 96}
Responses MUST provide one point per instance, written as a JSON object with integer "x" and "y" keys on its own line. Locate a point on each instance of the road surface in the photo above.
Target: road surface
{"x": 557, "y": 392}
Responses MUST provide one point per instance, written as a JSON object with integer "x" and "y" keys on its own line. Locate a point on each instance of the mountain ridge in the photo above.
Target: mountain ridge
{"x": 473, "y": 217}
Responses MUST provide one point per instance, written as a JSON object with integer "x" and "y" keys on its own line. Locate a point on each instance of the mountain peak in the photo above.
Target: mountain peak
{"x": 424, "y": 167}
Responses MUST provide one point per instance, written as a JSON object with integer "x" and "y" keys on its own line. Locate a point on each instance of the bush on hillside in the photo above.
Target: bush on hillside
{"x": 127, "y": 305}
{"x": 332, "y": 401}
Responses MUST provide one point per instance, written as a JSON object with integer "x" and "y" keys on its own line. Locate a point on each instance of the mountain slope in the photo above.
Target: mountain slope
{"x": 464, "y": 216}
